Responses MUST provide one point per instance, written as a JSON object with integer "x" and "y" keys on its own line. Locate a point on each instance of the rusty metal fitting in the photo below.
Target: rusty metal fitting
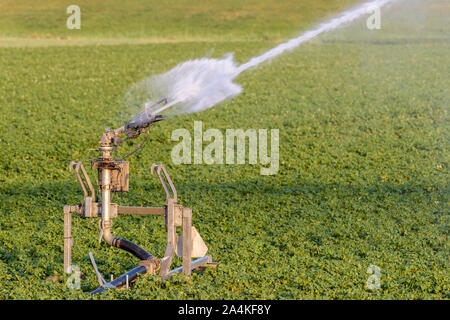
{"x": 106, "y": 224}
{"x": 152, "y": 264}
{"x": 116, "y": 242}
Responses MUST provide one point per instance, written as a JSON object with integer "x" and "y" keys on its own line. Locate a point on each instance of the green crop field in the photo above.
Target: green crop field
{"x": 364, "y": 149}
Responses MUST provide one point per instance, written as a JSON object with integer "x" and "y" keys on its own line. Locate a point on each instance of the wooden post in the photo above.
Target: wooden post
{"x": 171, "y": 228}
{"x": 171, "y": 239}
{"x": 187, "y": 240}
{"x": 68, "y": 240}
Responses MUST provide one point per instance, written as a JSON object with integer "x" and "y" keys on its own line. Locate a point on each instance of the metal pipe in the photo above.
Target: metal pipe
{"x": 195, "y": 264}
{"x": 121, "y": 281}
{"x": 107, "y": 222}
{"x": 106, "y": 202}
{"x": 133, "y": 273}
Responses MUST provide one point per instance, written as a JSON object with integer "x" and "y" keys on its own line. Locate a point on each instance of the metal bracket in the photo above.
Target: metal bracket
{"x": 101, "y": 281}
{"x": 77, "y": 166}
{"x": 160, "y": 167}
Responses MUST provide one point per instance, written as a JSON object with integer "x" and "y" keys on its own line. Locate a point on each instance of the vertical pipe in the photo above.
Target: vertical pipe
{"x": 105, "y": 162}
{"x": 106, "y": 194}
{"x": 106, "y": 202}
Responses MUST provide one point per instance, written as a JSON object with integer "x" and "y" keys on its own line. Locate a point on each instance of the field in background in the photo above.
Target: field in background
{"x": 23, "y": 22}
{"x": 364, "y": 143}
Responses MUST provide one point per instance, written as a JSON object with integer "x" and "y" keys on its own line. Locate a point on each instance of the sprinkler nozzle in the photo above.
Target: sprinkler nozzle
{"x": 139, "y": 124}
{"x": 135, "y": 127}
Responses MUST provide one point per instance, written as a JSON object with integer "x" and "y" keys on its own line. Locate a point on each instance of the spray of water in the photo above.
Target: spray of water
{"x": 200, "y": 84}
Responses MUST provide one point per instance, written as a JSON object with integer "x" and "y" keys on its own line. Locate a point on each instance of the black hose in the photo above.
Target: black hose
{"x": 133, "y": 248}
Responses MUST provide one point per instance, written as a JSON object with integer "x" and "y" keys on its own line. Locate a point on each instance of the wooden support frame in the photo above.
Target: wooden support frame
{"x": 175, "y": 216}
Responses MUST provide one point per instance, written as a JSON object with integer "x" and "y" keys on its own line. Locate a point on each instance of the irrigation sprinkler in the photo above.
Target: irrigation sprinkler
{"x": 113, "y": 176}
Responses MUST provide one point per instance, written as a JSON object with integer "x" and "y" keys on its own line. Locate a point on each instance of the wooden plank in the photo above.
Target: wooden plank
{"x": 187, "y": 240}
{"x": 68, "y": 241}
{"x": 170, "y": 220}
{"x": 166, "y": 262}
{"x": 178, "y": 215}
{"x": 156, "y": 211}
